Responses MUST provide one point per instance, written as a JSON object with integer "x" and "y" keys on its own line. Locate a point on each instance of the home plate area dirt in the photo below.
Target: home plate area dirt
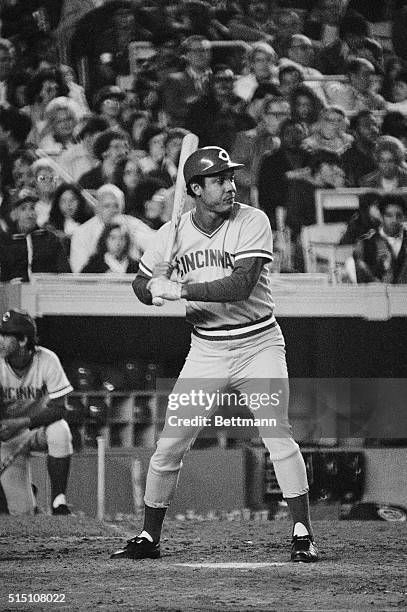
{"x": 205, "y": 566}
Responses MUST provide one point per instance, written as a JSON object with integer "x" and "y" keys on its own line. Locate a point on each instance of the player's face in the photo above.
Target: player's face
{"x": 9, "y": 345}
{"x": 218, "y": 193}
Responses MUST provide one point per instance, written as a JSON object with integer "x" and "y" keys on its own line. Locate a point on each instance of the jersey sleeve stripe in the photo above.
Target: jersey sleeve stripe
{"x": 144, "y": 269}
{"x": 248, "y": 254}
{"x": 60, "y": 392}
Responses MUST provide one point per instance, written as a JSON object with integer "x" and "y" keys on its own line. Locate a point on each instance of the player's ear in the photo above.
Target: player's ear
{"x": 196, "y": 188}
{"x": 23, "y": 341}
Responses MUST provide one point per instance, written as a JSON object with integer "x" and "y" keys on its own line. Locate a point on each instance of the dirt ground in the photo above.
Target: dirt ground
{"x": 363, "y": 566}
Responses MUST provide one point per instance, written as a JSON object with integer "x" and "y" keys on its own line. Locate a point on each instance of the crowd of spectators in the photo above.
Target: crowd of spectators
{"x": 308, "y": 95}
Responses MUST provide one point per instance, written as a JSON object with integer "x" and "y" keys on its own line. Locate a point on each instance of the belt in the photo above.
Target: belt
{"x": 234, "y": 332}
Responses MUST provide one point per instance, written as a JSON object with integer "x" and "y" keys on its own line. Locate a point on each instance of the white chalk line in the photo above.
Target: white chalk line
{"x": 234, "y": 565}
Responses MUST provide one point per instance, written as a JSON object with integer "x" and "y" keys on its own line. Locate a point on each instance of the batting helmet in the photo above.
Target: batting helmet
{"x": 16, "y": 321}
{"x": 208, "y": 161}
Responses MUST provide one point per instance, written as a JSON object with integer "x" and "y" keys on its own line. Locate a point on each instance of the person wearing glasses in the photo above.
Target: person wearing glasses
{"x": 46, "y": 182}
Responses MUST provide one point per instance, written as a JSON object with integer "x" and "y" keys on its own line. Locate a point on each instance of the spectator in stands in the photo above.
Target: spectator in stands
{"x": 181, "y": 89}
{"x": 108, "y": 104}
{"x": 398, "y": 93}
{"x": 359, "y": 159}
{"x": 112, "y": 255}
{"x": 381, "y": 255}
{"x": 262, "y": 70}
{"x": 69, "y": 210}
{"x": 392, "y": 66}
{"x": 61, "y": 119}
{"x": 250, "y": 145}
{"x": 221, "y": 114}
{"x": 305, "y": 107}
{"x": 6, "y": 66}
{"x": 356, "y": 94}
{"x": 395, "y": 124}
{"x": 136, "y": 124}
{"x": 288, "y": 23}
{"x": 198, "y": 18}
{"x": 391, "y": 170}
{"x": 329, "y": 132}
{"x": 109, "y": 207}
{"x": 337, "y": 30}
{"x": 167, "y": 173}
{"x": 130, "y": 178}
{"x": 154, "y": 203}
{"x": 367, "y": 218}
{"x": 289, "y": 78}
{"x": 272, "y": 179}
{"x": 26, "y": 249}
{"x": 14, "y": 128}
{"x": 300, "y": 53}
{"x": 255, "y": 22}
{"x": 46, "y": 181}
{"x": 42, "y": 88}
{"x": 76, "y": 91}
{"x": 80, "y": 157}
{"x": 110, "y": 147}
{"x": 21, "y": 169}
{"x": 153, "y": 145}
{"x": 326, "y": 172}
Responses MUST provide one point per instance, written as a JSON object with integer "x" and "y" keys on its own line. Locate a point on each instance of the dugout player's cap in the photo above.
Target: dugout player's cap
{"x": 17, "y": 321}
{"x": 208, "y": 161}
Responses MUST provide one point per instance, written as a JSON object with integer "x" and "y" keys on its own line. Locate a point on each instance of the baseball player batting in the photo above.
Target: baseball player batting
{"x": 222, "y": 270}
{"x": 33, "y": 390}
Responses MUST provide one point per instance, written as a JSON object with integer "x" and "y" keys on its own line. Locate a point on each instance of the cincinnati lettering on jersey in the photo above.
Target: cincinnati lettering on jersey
{"x": 21, "y": 393}
{"x": 207, "y": 258}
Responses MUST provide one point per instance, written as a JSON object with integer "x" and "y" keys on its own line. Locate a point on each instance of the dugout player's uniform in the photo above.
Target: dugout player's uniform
{"x": 238, "y": 344}
{"x": 45, "y": 380}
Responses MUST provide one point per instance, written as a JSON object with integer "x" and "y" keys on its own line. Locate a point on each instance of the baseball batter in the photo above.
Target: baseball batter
{"x": 222, "y": 269}
{"x": 33, "y": 390}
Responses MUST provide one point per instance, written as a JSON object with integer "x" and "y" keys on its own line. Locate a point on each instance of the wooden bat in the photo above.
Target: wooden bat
{"x": 189, "y": 145}
{"x": 21, "y": 448}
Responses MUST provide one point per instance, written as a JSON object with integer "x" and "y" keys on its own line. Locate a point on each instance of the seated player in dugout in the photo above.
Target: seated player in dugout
{"x": 236, "y": 339}
{"x": 33, "y": 393}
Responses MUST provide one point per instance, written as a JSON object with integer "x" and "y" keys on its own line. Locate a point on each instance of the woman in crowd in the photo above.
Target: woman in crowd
{"x": 112, "y": 253}
{"x": 390, "y": 157}
{"x": 46, "y": 182}
{"x": 305, "y": 107}
{"x": 153, "y": 143}
{"x": 61, "y": 119}
{"x": 69, "y": 210}
{"x": 43, "y": 87}
{"x": 330, "y": 132}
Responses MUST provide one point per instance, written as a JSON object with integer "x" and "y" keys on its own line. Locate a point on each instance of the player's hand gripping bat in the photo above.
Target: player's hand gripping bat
{"x": 189, "y": 145}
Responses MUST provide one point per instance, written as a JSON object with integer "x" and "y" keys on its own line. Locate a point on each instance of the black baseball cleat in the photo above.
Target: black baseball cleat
{"x": 61, "y": 510}
{"x": 303, "y": 550}
{"x": 138, "y": 548}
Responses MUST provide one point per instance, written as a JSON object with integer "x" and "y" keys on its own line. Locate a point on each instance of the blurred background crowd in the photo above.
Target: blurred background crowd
{"x": 95, "y": 98}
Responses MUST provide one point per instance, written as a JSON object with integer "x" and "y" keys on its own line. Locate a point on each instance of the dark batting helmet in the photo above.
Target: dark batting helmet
{"x": 18, "y": 322}
{"x": 208, "y": 161}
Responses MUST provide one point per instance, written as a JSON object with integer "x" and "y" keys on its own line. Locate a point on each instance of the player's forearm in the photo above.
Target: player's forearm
{"x": 140, "y": 289}
{"x": 235, "y": 288}
{"x": 54, "y": 411}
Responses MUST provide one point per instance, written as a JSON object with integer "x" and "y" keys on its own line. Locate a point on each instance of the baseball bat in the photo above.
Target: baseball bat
{"x": 189, "y": 145}
{"x": 25, "y": 444}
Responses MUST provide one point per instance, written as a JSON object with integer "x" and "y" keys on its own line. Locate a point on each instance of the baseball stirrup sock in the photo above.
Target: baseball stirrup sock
{"x": 58, "y": 470}
{"x": 299, "y": 508}
{"x": 153, "y": 521}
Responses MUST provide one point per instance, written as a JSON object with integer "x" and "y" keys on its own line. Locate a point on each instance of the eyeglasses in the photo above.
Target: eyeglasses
{"x": 42, "y": 178}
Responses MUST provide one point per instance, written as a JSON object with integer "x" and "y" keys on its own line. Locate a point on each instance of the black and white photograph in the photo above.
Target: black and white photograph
{"x": 203, "y": 319}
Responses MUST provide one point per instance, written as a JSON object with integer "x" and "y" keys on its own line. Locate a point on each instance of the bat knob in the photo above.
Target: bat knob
{"x": 158, "y": 301}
